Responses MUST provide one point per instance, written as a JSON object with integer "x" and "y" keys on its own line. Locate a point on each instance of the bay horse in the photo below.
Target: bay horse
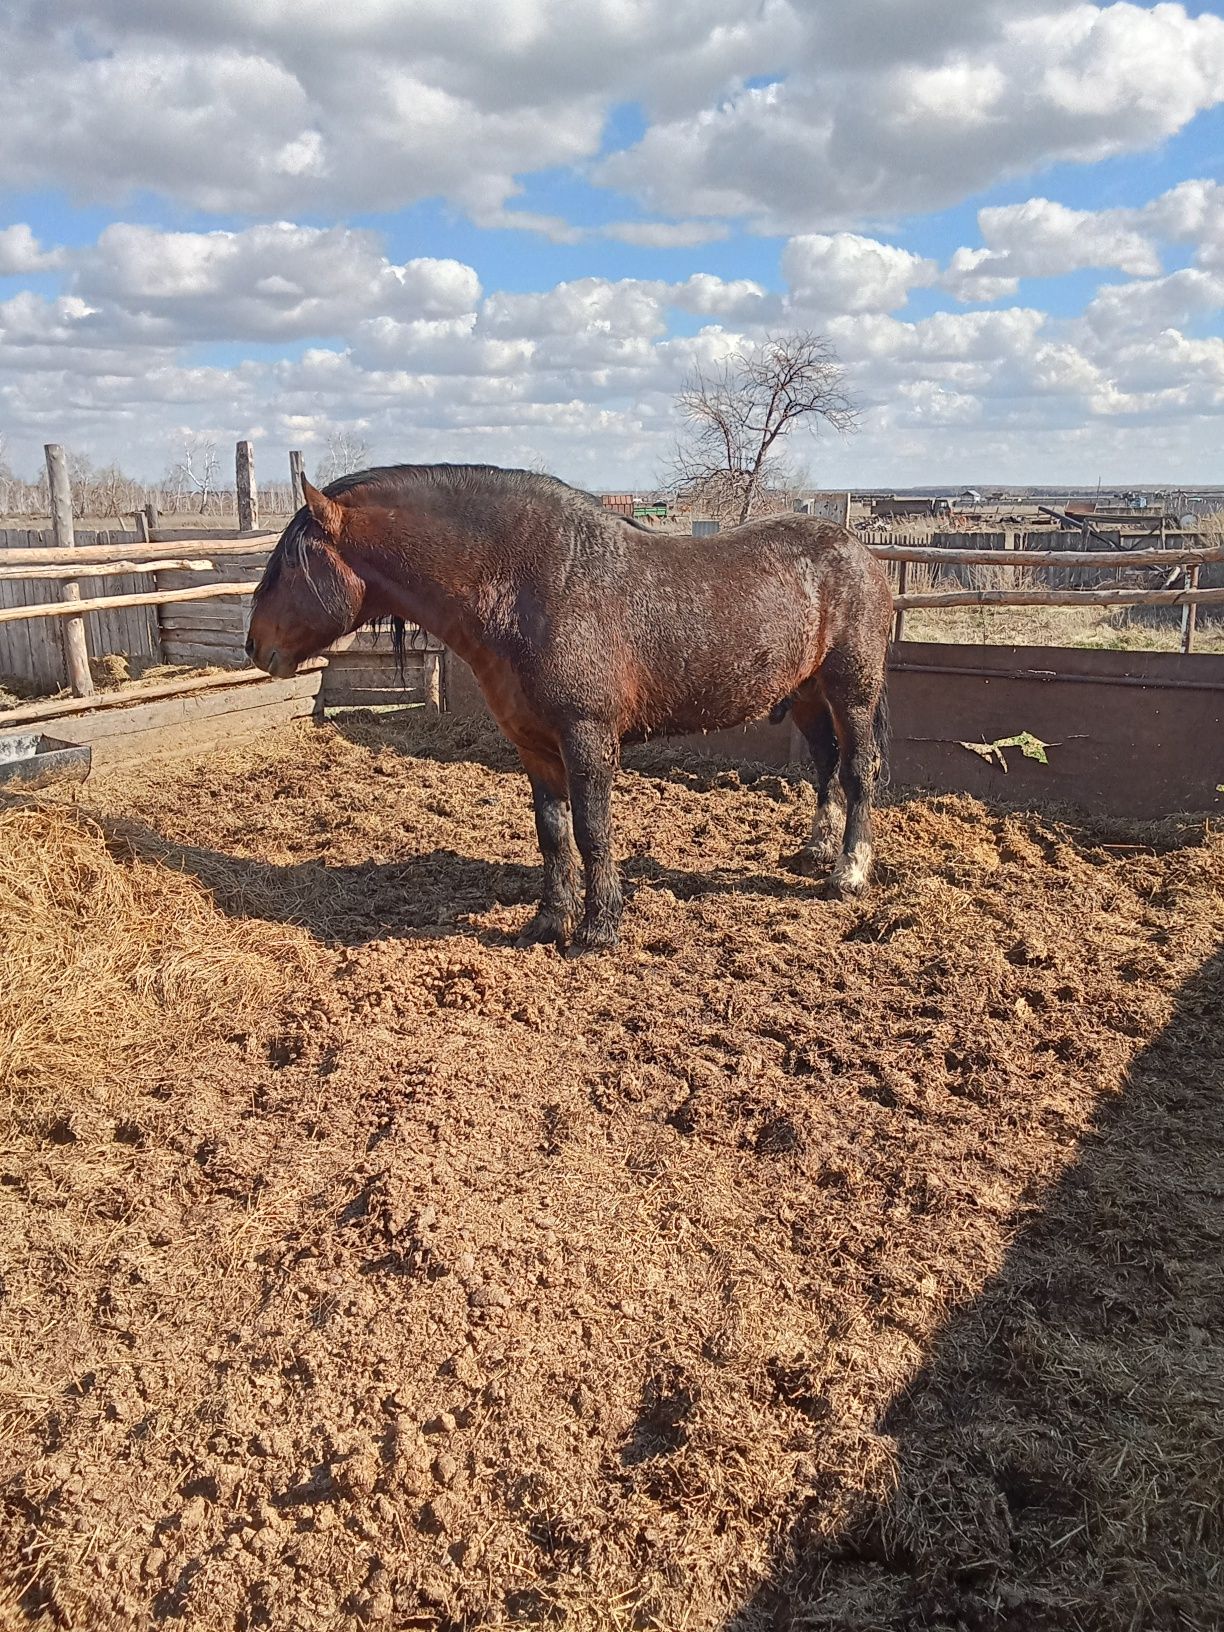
{"x": 585, "y": 630}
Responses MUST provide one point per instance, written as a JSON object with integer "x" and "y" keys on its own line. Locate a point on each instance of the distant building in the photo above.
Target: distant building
{"x": 897, "y": 505}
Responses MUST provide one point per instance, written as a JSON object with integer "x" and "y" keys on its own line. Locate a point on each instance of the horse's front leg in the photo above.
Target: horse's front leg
{"x": 560, "y": 900}
{"x": 592, "y": 753}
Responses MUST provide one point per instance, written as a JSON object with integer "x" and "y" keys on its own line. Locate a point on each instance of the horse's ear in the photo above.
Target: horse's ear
{"x": 328, "y": 514}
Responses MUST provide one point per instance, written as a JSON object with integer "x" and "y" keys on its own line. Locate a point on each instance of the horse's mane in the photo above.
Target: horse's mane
{"x": 465, "y": 479}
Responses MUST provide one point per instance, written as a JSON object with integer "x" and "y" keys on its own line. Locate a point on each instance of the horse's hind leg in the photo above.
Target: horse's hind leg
{"x": 592, "y": 753}
{"x": 811, "y": 714}
{"x": 854, "y": 696}
{"x": 561, "y": 897}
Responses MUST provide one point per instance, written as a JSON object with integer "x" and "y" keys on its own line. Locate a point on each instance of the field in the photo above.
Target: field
{"x": 1101, "y": 628}
{"x": 805, "y": 1264}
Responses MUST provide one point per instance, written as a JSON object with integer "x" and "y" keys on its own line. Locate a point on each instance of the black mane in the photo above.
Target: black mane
{"x": 468, "y": 479}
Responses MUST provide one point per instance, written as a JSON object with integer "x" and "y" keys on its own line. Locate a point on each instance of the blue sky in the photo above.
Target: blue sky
{"x": 509, "y": 231}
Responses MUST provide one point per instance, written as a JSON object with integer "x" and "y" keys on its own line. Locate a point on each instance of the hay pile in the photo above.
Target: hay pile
{"x": 104, "y": 967}
{"x": 807, "y": 1263}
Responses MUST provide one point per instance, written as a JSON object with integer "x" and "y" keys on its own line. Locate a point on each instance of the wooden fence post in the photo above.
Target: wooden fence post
{"x": 899, "y": 617}
{"x": 433, "y": 682}
{"x": 248, "y": 498}
{"x": 142, "y": 526}
{"x": 154, "y": 520}
{"x": 76, "y": 651}
{"x": 1190, "y": 613}
{"x": 297, "y": 469}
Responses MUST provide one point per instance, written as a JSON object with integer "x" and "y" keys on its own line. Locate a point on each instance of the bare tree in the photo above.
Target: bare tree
{"x": 196, "y": 469}
{"x": 80, "y": 476}
{"x": 738, "y": 416}
{"x": 112, "y": 493}
{"x": 346, "y": 452}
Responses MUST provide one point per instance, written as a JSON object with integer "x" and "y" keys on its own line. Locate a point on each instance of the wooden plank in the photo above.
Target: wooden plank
{"x": 16, "y": 656}
{"x": 32, "y": 712}
{"x": 196, "y": 736}
{"x": 260, "y": 544}
{"x": 101, "y": 723}
{"x": 204, "y": 657}
{"x": 100, "y": 603}
{"x": 230, "y": 639}
{"x": 102, "y": 569}
{"x": 1047, "y": 558}
{"x": 1061, "y": 597}
{"x": 199, "y": 620}
{"x": 384, "y": 661}
{"x": 384, "y": 679}
{"x": 374, "y": 699}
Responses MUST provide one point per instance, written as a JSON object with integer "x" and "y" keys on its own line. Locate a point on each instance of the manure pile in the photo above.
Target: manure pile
{"x": 804, "y": 1264}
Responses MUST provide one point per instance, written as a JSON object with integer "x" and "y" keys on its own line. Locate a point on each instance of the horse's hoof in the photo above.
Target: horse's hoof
{"x": 545, "y": 929}
{"x": 804, "y": 862}
{"x": 592, "y": 938}
{"x": 851, "y": 872}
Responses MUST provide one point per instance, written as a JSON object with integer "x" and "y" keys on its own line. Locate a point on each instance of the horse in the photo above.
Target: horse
{"x": 585, "y": 630}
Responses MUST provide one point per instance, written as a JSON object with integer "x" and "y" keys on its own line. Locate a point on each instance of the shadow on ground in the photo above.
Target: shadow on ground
{"x": 1060, "y": 1453}
{"x": 425, "y": 895}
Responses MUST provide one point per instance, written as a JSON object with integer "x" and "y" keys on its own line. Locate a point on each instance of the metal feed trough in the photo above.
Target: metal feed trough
{"x": 29, "y": 760}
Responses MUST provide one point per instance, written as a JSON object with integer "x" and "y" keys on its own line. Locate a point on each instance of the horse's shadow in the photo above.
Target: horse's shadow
{"x": 431, "y": 895}
{"x": 1058, "y": 1453}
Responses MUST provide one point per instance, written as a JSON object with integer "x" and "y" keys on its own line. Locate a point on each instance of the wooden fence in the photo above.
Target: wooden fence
{"x": 185, "y": 600}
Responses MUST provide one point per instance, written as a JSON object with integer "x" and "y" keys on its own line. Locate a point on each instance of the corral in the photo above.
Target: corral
{"x": 807, "y": 1263}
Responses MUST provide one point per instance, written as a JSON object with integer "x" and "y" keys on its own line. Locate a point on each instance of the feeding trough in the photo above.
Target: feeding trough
{"x": 29, "y": 760}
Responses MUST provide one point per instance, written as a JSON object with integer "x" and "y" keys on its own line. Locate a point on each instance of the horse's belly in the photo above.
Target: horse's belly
{"x": 723, "y": 702}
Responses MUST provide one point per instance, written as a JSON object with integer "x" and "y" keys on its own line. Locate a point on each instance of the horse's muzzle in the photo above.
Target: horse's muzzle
{"x": 272, "y": 662}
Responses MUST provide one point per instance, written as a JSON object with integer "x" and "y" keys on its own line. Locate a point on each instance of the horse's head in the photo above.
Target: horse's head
{"x": 309, "y": 596}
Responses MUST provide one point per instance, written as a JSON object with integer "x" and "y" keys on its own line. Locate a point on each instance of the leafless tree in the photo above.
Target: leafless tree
{"x": 80, "y": 475}
{"x": 195, "y": 470}
{"x": 738, "y": 416}
{"x": 112, "y": 493}
{"x": 346, "y": 452}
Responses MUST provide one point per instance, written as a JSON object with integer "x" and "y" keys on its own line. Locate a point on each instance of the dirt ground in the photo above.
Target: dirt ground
{"x": 804, "y": 1264}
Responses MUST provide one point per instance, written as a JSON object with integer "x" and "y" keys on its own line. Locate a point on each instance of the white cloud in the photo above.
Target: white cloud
{"x": 979, "y": 275}
{"x": 666, "y": 234}
{"x": 265, "y": 107}
{"x": 271, "y": 282}
{"x": 21, "y": 252}
{"x": 1042, "y": 239}
{"x": 261, "y": 107}
{"x": 1155, "y": 304}
{"x": 991, "y": 93}
{"x": 843, "y": 272}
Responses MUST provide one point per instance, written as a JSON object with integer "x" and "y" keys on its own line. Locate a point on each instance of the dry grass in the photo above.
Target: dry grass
{"x": 1101, "y": 628}
{"x": 1104, "y": 628}
{"x": 805, "y": 1264}
{"x": 98, "y": 960}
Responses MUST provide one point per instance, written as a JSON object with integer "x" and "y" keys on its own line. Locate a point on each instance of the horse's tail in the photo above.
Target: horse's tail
{"x": 881, "y": 730}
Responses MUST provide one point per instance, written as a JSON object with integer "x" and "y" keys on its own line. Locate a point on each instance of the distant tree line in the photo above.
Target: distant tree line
{"x": 198, "y": 481}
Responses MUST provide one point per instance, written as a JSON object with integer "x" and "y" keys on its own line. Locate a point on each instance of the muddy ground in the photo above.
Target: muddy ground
{"x": 804, "y": 1264}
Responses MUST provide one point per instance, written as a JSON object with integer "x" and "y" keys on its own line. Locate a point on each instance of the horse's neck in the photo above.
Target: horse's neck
{"x": 440, "y": 576}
